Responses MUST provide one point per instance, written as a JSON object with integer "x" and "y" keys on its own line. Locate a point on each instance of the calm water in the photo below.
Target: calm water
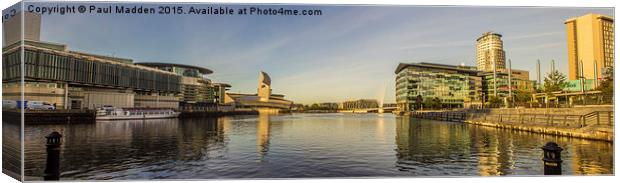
{"x": 302, "y": 145}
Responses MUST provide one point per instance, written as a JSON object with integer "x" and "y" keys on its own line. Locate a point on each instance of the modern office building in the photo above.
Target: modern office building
{"x": 263, "y": 100}
{"x": 219, "y": 92}
{"x": 590, "y": 39}
{"x": 12, "y": 28}
{"x": 70, "y": 79}
{"x": 490, "y": 55}
{"x": 455, "y": 86}
{"x": 497, "y": 85}
{"x": 197, "y": 91}
{"x": 359, "y": 104}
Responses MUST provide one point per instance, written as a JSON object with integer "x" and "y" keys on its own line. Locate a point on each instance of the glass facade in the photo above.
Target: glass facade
{"x": 502, "y": 86}
{"x": 455, "y": 87}
{"x": 44, "y": 65}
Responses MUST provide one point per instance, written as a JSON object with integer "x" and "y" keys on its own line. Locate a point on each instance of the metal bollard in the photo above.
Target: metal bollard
{"x": 552, "y": 158}
{"x": 52, "y": 168}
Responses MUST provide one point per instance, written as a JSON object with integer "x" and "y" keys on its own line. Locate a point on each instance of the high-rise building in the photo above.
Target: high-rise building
{"x": 591, "y": 41}
{"x": 490, "y": 53}
{"x": 12, "y": 28}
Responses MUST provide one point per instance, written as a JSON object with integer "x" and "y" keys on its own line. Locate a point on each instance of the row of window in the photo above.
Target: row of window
{"x": 49, "y": 66}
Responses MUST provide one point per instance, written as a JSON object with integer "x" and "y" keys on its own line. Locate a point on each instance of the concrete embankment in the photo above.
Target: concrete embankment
{"x": 595, "y": 123}
{"x": 49, "y": 116}
{"x": 592, "y": 132}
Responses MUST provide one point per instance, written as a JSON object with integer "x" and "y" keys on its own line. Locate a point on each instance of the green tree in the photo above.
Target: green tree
{"x": 495, "y": 101}
{"x": 314, "y": 107}
{"x": 554, "y": 81}
{"x": 418, "y": 101}
{"x": 607, "y": 85}
{"x": 428, "y": 103}
{"x": 522, "y": 96}
{"x": 436, "y": 103}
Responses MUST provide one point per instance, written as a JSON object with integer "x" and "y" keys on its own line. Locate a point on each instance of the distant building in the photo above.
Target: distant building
{"x": 328, "y": 106}
{"x": 263, "y": 100}
{"x": 197, "y": 91}
{"x": 389, "y": 105}
{"x": 490, "y": 53}
{"x": 359, "y": 104}
{"x": 455, "y": 86}
{"x": 520, "y": 81}
{"x": 590, "y": 39}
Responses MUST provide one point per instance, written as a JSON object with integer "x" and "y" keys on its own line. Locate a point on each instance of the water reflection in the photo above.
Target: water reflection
{"x": 427, "y": 147}
{"x": 262, "y": 135}
{"x": 302, "y": 145}
{"x": 11, "y": 145}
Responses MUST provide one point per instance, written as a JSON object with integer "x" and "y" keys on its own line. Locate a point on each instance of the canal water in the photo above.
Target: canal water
{"x": 303, "y": 145}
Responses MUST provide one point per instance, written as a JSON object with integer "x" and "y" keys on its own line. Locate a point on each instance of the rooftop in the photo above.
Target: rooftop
{"x": 202, "y": 70}
{"x": 402, "y": 66}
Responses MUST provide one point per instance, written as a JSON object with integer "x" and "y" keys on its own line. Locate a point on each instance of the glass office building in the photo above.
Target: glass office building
{"x": 197, "y": 91}
{"x": 498, "y": 86}
{"x": 70, "y": 79}
{"x": 454, "y": 86}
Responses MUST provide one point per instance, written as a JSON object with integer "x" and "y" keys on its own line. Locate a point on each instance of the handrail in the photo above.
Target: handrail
{"x": 596, "y": 117}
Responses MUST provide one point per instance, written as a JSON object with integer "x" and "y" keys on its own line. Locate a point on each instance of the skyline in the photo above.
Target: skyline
{"x": 348, "y": 53}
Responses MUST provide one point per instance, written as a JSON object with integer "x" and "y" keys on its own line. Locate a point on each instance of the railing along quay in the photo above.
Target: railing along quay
{"x": 564, "y": 120}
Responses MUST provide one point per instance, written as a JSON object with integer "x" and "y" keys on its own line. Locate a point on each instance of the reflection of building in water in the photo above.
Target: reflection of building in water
{"x": 495, "y": 151}
{"x": 99, "y": 144}
{"x": 198, "y": 137}
{"x": 488, "y": 156}
{"x": 262, "y": 134}
{"x": 11, "y": 149}
{"x": 429, "y": 142}
{"x": 264, "y": 100}
{"x": 587, "y": 160}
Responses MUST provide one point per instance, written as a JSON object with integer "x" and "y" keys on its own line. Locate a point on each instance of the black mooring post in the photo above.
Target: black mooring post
{"x": 52, "y": 168}
{"x": 552, "y": 158}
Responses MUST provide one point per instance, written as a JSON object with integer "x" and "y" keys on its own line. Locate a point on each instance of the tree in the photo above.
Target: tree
{"x": 428, "y": 103}
{"x": 495, "y": 101}
{"x": 607, "y": 85}
{"x": 522, "y": 96}
{"x": 418, "y": 101}
{"x": 554, "y": 81}
{"x": 314, "y": 106}
{"x": 436, "y": 102}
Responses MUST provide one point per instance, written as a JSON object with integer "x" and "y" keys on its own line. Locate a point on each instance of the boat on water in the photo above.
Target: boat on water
{"x": 113, "y": 113}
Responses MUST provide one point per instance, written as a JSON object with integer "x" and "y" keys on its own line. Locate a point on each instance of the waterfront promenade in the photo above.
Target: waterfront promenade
{"x": 592, "y": 122}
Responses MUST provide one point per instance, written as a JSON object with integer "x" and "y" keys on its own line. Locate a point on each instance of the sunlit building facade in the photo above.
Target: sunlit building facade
{"x": 263, "y": 101}
{"x": 455, "y": 86}
{"x": 497, "y": 85}
{"x": 76, "y": 80}
{"x": 359, "y": 104}
{"x": 590, "y": 39}
{"x": 197, "y": 91}
{"x": 490, "y": 54}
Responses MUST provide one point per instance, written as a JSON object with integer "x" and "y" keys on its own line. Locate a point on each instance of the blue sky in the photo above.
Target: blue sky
{"x": 350, "y": 52}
